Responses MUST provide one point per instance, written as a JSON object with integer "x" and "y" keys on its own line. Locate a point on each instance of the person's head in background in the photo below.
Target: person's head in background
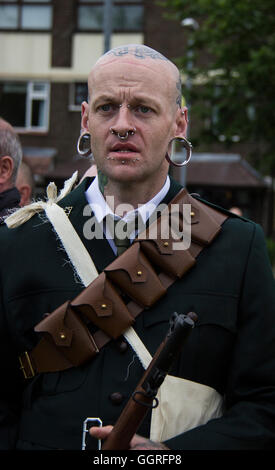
{"x": 10, "y": 156}
{"x": 6, "y": 125}
{"x": 25, "y": 184}
{"x": 236, "y": 210}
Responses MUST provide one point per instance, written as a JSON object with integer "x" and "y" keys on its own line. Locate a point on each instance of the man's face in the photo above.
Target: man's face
{"x": 125, "y": 95}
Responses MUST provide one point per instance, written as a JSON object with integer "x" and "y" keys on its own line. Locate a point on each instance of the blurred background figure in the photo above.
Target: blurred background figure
{"x": 5, "y": 125}
{"x": 10, "y": 160}
{"x": 25, "y": 184}
{"x": 236, "y": 210}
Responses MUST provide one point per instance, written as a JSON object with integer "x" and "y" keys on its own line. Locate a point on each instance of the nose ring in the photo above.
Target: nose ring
{"x": 123, "y": 136}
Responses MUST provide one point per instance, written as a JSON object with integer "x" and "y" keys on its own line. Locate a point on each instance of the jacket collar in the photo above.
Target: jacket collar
{"x": 75, "y": 204}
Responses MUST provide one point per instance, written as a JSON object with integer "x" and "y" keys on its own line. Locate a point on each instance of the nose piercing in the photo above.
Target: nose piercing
{"x": 123, "y": 136}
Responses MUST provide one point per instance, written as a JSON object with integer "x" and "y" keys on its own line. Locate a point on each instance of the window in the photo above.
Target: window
{"x": 25, "y": 15}
{"x": 25, "y": 104}
{"x": 78, "y": 93}
{"x": 126, "y": 15}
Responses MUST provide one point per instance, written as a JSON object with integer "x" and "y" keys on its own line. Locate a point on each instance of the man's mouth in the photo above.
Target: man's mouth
{"x": 124, "y": 147}
{"x": 123, "y": 152}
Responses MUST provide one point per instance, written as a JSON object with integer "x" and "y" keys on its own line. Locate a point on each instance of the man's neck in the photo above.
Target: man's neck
{"x": 133, "y": 194}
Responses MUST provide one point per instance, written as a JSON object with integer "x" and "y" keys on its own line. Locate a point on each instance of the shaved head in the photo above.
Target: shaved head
{"x": 147, "y": 57}
{"x": 134, "y": 91}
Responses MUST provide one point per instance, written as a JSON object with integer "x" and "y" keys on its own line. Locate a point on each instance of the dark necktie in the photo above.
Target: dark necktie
{"x": 122, "y": 233}
{"x": 121, "y": 239}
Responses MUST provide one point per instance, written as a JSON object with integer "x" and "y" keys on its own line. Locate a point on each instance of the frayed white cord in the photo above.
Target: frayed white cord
{"x": 21, "y": 216}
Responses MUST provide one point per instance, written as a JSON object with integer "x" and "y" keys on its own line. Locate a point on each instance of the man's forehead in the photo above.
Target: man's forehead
{"x": 131, "y": 68}
{"x": 128, "y": 77}
{"x": 137, "y": 55}
{"x": 137, "y": 66}
{"x": 124, "y": 67}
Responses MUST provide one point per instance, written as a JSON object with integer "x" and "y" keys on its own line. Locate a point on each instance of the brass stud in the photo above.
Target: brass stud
{"x": 104, "y": 306}
{"x": 139, "y": 273}
{"x": 62, "y": 336}
{"x": 192, "y": 214}
{"x": 165, "y": 243}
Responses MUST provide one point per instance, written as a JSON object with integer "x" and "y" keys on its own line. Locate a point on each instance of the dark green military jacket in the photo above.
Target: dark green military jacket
{"x": 231, "y": 349}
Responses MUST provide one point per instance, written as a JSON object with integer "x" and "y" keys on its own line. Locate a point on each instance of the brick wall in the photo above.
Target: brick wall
{"x": 166, "y": 36}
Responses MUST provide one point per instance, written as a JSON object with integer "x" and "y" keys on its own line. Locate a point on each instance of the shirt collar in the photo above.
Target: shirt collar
{"x": 101, "y": 208}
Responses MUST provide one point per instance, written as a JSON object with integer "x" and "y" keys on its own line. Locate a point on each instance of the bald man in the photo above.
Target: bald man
{"x": 10, "y": 159}
{"x": 138, "y": 93}
{"x": 93, "y": 302}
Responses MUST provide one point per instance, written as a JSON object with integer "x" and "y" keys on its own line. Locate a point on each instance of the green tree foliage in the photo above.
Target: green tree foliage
{"x": 234, "y": 61}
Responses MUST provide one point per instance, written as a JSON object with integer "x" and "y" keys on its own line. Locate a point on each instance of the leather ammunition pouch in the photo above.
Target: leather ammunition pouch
{"x": 101, "y": 304}
{"x": 133, "y": 282}
{"x": 135, "y": 276}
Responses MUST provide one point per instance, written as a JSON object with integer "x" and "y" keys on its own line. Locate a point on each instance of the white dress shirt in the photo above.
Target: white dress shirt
{"x": 102, "y": 207}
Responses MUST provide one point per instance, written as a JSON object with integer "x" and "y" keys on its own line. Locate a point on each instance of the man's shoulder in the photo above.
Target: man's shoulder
{"x": 221, "y": 209}
{"x": 236, "y": 228}
{"x": 232, "y": 220}
{"x": 77, "y": 197}
{"x": 9, "y": 236}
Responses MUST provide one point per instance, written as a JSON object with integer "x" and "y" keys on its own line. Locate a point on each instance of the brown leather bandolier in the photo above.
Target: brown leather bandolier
{"x": 132, "y": 283}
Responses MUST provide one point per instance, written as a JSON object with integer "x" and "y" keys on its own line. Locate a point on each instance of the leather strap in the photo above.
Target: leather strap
{"x": 48, "y": 356}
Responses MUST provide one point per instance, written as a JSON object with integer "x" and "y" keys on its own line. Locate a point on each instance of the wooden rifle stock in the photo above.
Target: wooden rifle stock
{"x": 144, "y": 396}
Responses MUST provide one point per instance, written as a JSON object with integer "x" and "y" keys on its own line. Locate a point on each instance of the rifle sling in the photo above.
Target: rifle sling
{"x": 66, "y": 339}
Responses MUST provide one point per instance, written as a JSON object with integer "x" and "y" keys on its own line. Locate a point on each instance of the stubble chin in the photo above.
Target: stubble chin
{"x": 138, "y": 171}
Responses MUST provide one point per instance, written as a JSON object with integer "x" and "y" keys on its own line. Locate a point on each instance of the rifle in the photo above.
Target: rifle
{"x": 144, "y": 396}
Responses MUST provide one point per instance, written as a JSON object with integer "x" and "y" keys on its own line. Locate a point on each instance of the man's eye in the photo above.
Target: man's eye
{"x": 143, "y": 109}
{"x": 105, "y": 107}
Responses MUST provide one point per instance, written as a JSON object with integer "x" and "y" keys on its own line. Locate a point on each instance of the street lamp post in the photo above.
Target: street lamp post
{"x": 107, "y": 24}
{"x": 193, "y": 25}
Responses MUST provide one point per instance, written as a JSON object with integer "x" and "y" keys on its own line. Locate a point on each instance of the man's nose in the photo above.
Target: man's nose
{"x": 123, "y": 120}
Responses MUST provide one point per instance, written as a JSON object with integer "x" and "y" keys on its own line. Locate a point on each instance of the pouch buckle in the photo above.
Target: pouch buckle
{"x": 26, "y": 365}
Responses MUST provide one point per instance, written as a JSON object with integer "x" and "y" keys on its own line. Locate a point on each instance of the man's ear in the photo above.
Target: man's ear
{"x": 25, "y": 194}
{"x": 181, "y": 122}
{"x": 84, "y": 116}
{"x": 6, "y": 169}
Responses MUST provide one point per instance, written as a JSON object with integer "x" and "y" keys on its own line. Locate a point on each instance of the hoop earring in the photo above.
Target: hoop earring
{"x": 84, "y": 144}
{"x": 188, "y": 147}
